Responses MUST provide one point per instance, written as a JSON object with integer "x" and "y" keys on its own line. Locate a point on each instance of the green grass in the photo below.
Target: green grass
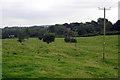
{"x": 36, "y": 59}
{"x": 0, "y": 59}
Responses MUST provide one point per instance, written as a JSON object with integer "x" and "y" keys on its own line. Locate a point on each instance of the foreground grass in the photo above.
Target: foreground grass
{"x": 36, "y": 59}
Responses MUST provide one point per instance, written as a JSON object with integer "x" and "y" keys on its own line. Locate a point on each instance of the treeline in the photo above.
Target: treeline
{"x": 92, "y": 28}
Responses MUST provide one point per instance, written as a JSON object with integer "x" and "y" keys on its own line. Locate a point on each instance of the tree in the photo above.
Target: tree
{"x": 89, "y": 28}
{"x": 59, "y": 29}
{"x": 49, "y": 37}
{"x": 81, "y": 31}
{"x": 72, "y": 40}
{"x": 109, "y": 26}
{"x": 42, "y": 31}
{"x": 27, "y": 33}
{"x": 51, "y": 29}
{"x": 96, "y": 27}
{"x": 69, "y": 39}
{"x": 21, "y": 37}
{"x": 101, "y": 24}
{"x": 116, "y": 26}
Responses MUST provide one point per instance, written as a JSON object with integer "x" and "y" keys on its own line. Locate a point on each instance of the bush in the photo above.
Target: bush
{"x": 40, "y": 37}
{"x": 21, "y": 41}
{"x": 67, "y": 39}
{"x": 73, "y": 40}
{"x": 48, "y": 37}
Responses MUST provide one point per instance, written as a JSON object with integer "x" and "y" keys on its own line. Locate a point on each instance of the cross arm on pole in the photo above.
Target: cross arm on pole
{"x": 104, "y": 8}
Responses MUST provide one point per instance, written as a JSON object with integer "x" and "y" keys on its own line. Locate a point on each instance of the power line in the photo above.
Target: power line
{"x": 104, "y": 29}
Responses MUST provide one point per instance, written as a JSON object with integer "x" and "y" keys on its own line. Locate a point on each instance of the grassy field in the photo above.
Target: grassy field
{"x": 36, "y": 59}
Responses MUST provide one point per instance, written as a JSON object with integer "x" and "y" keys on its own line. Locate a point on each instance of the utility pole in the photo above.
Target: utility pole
{"x": 104, "y": 30}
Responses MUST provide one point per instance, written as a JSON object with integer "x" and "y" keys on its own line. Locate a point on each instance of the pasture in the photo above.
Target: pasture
{"x": 37, "y": 59}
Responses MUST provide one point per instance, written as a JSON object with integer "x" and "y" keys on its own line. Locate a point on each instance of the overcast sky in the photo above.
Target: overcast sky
{"x": 48, "y": 12}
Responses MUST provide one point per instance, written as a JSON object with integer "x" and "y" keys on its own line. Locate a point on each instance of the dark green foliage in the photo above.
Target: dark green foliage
{"x": 67, "y": 39}
{"x": 27, "y": 33}
{"x": 14, "y": 53}
{"x": 58, "y": 29}
{"x": 7, "y": 31}
{"x": 51, "y": 29}
{"x": 20, "y": 40}
{"x": 24, "y": 34}
{"x": 49, "y": 37}
{"x": 116, "y": 26}
{"x": 73, "y": 40}
{"x": 109, "y": 26}
{"x": 33, "y": 31}
{"x": 21, "y": 37}
{"x": 40, "y": 37}
{"x": 80, "y": 29}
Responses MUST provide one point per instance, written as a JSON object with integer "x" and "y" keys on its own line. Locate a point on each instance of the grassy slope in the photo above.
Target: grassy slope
{"x": 0, "y": 59}
{"x": 36, "y": 59}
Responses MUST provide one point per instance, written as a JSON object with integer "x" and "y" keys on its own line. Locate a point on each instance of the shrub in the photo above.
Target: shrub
{"x": 48, "y": 37}
{"x": 40, "y": 37}
{"x": 67, "y": 39}
{"x": 73, "y": 40}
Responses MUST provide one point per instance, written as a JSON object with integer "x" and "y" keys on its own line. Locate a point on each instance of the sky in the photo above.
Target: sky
{"x": 119, "y": 10}
{"x": 50, "y": 12}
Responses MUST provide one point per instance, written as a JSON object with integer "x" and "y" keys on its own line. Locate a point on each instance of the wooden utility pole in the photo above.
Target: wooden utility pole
{"x": 104, "y": 30}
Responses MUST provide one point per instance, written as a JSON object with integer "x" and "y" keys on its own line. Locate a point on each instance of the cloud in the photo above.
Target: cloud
{"x": 119, "y": 10}
{"x": 30, "y": 12}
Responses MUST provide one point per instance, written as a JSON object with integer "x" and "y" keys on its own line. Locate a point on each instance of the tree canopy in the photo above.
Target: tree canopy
{"x": 79, "y": 29}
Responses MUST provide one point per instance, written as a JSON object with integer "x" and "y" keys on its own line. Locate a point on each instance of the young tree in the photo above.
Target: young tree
{"x": 21, "y": 37}
{"x": 48, "y": 37}
{"x": 27, "y": 33}
{"x": 67, "y": 39}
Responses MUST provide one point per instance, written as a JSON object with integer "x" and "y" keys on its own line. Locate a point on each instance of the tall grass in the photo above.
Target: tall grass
{"x": 36, "y": 59}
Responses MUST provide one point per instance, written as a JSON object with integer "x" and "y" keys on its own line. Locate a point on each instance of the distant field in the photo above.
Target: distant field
{"x": 37, "y": 59}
